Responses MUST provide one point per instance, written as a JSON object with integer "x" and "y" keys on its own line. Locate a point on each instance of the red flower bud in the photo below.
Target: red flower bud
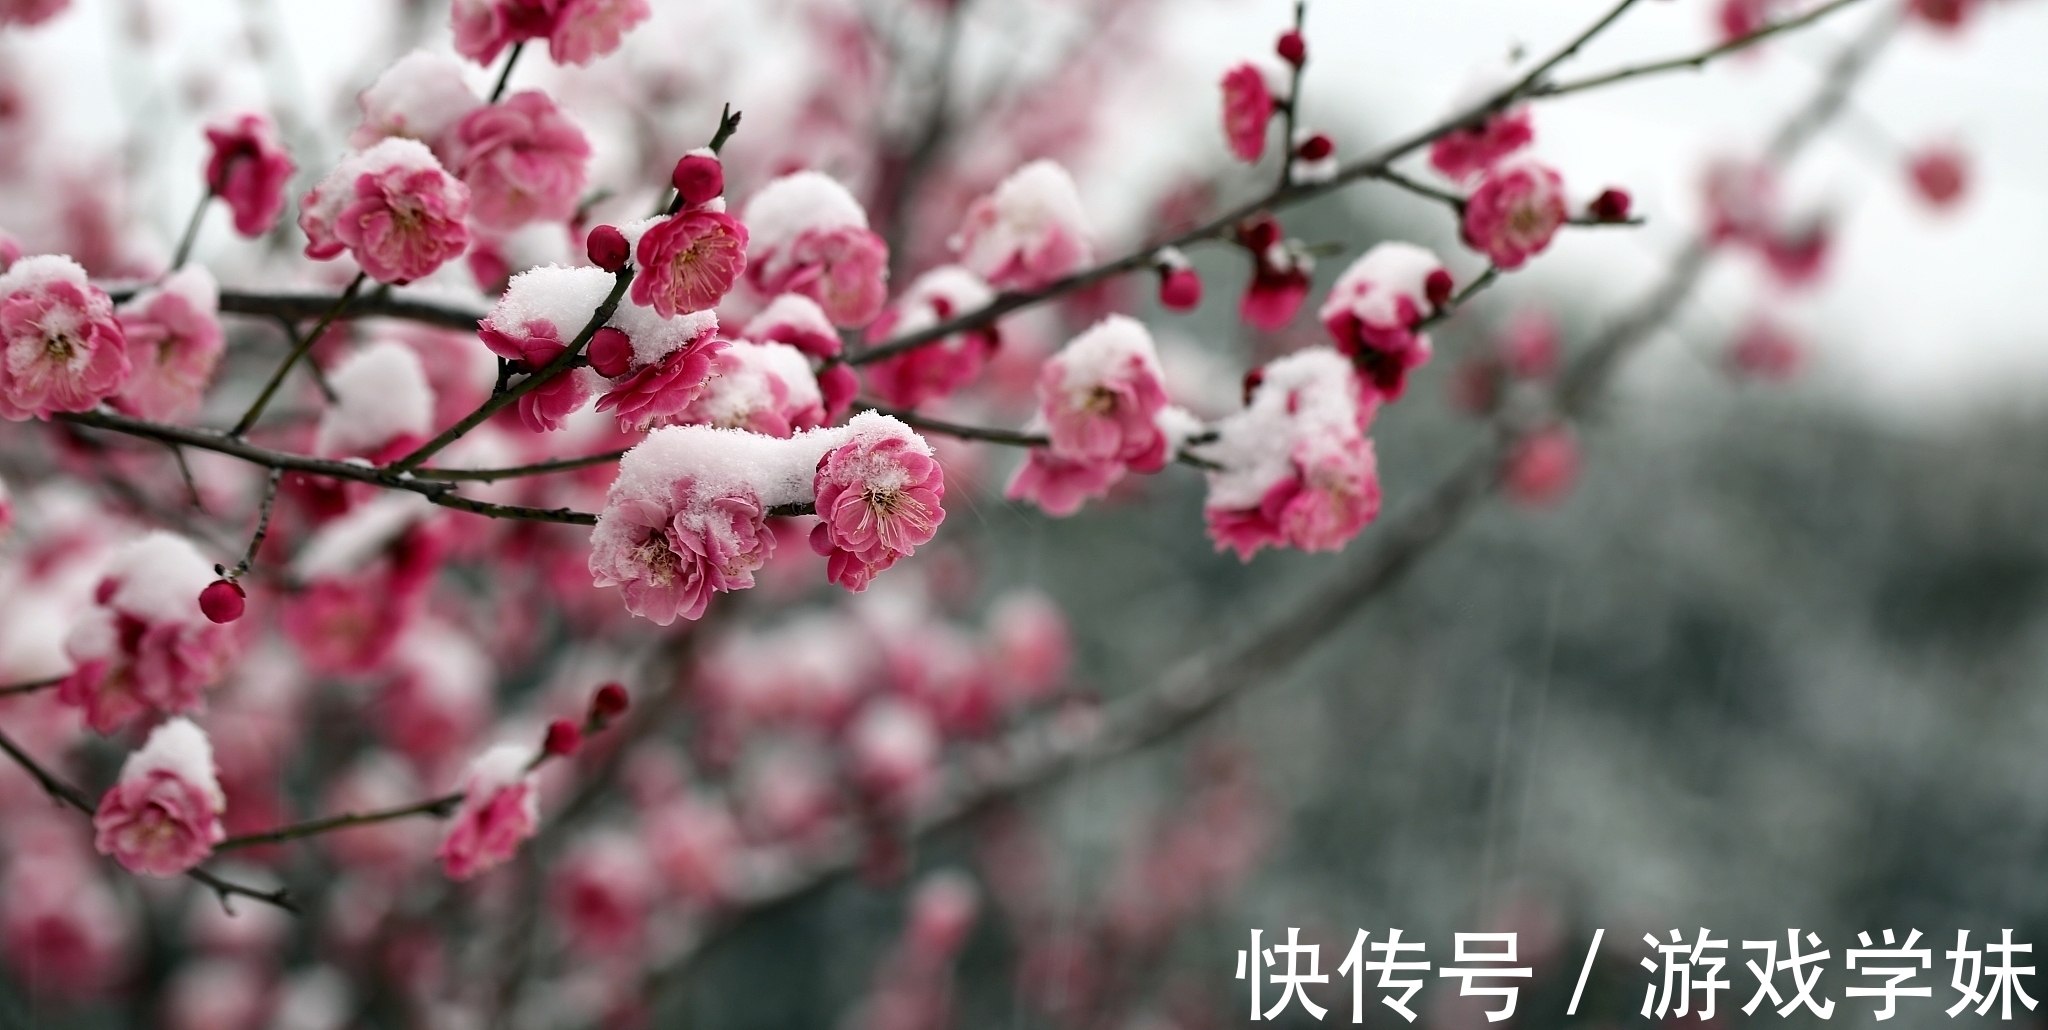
{"x": 222, "y": 600}
{"x": 1292, "y": 48}
{"x": 1610, "y": 206}
{"x": 563, "y": 739}
{"x": 1438, "y": 288}
{"x": 1180, "y": 289}
{"x": 608, "y": 703}
{"x": 607, "y": 248}
{"x": 611, "y": 352}
{"x": 698, "y": 179}
{"x": 1316, "y": 147}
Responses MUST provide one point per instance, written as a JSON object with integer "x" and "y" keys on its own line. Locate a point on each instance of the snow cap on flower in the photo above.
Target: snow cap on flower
{"x": 764, "y": 387}
{"x": 174, "y": 342}
{"x": 1373, "y": 308}
{"x": 939, "y": 368}
{"x": 523, "y": 161}
{"x": 1030, "y": 231}
{"x": 163, "y": 816}
{"x": 249, "y": 169}
{"x": 500, "y": 809}
{"x": 669, "y": 365}
{"x": 1297, "y": 468}
{"x": 797, "y": 320}
{"x": 1101, "y": 394}
{"x": 807, "y": 234}
{"x": 381, "y": 398}
{"x": 393, "y": 207}
{"x": 61, "y": 348}
{"x": 422, "y": 96}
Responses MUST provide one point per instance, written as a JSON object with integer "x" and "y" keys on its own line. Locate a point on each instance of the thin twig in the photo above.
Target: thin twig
{"x": 191, "y": 233}
{"x": 1290, "y": 110}
{"x": 299, "y": 350}
{"x": 441, "y": 493}
{"x": 30, "y": 687}
{"x": 438, "y": 807}
{"x": 505, "y": 77}
{"x": 539, "y": 468}
{"x": 262, "y": 522}
{"x": 1696, "y": 60}
{"x": 956, "y": 429}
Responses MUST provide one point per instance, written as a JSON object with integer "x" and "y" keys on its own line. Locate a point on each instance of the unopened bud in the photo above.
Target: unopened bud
{"x": 223, "y": 600}
{"x": 563, "y": 739}
{"x": 1292, "y": 48}
{"x": 1438, "y": 288}
{"x": 1610, "y": 206}
{"x": 608, "y": 703}
{"x": 1180, "y": 289}
{"x": 611, "y": 352}
{"x": 607, "y": 248}
{"x": 698, "y": 179}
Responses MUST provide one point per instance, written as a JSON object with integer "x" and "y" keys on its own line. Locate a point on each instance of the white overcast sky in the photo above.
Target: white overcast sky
{"x": 1923, "y": 314}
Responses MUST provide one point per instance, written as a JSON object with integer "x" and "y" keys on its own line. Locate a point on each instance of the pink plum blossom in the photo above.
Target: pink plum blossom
{"x": 249, "y": 170}
{"x": 1374, "y": 307}
{"x": 689, "y": 261}
{"x": 500, "y": 809}
{"x": 162, "y": 816}
{"x": 602, "y": 890}
{"x": 523, "y": 161}
{"x": 797, "y": 320}
{"x": 484, "y": 28}
{"x": 1939, "y": 175}
{"x": 1029, "y": 232}
{"x": 1766, "y": 351}
{"x": 1464, "y": 153}
{"x": 1280, "y": 275}
{"x": 393, "y": 208}
{"x": 948, "y": 364}
{"x": 174, "y": 342}
{"x": 1514, "y": 212}
{"x": 1542, "y": 467}
{"x": 145, "y": 646}
{"x": 61, "y": 348}
{"x": 672, "y": 362}
{"x": 808, "y": 235}
{"x": 1296, "y": 467}
{"x": 1101, "y": 396}
{"x": 878, "y": 498}
{"x": 1248, "y": 107}
{"x": 61, "y": 928}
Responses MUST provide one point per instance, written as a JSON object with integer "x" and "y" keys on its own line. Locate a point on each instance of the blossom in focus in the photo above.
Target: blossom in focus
{"x": 878, "y": 499}
{"x": 1463, "y": 153}
{"x": 500, "y": 809}
{"x": 1101, "y": 396}
{"x": 689, "y": 261}
{"x": 1514, "y": 212}
{"x": 1542, "y": 467}
{"x": 174, "y": 342}
{"x": 61, "y": 348}
{"x": 945, "y": 365}
{"x": 522, "y": 159}
{"x": 808, "y": 235}
{"x": 145, "y": 646}
{"x": 1297, "y": 468}
{"x": 670, "y": 365}
{"x": 1028, "y": 232}
{"x": 393, "y": 207}
{"x": 1248, "y": 107}
{"x": 162, "y": 816}
{"x": 1374, "y": 307}
{"x": 249, "y": 170}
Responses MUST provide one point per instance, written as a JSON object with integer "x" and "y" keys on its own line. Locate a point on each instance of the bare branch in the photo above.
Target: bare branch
{"x": 438, "y": 807}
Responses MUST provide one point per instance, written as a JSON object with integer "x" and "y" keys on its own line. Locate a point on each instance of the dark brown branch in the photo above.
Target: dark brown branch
{"x": 301, "y": 306}
{"x": 539, "y": 468}
{"x": 441, "y": 493}
{"x": 955, "y": 429}
{"x": 1693, "y": 61}
{"x": 18, "y": 689}
{"x": 438, "y": 807}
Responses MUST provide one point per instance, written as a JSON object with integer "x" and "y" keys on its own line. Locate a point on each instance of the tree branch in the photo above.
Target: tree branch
{"x": 437, "y": 807}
